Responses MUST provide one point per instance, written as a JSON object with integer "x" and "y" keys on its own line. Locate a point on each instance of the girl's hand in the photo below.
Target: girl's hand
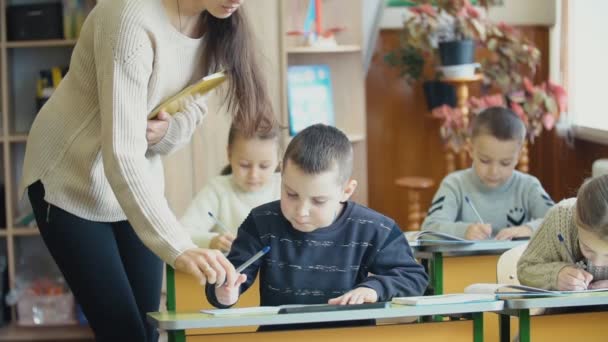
{"x": 207, "y": 266}
{"x": 157, "y": 128}
{"x": 478, "y": 231}
{"x": 509, "y": 233}
{"x": 228, "y": 293}
{"x": 359, "y": 295}
{"x": 600, "y": 284}
{"x": 571, "y": 278}
{"x": 223, "y": 242}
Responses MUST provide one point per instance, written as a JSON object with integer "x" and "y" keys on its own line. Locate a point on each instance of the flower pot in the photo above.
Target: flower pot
{"x": 438, "y": 93}
{"x": 457, "y": 52}
{"x": 458, "y": 71}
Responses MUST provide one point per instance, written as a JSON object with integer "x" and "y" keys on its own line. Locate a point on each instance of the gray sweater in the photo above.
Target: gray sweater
{"x": 520, "y": 201}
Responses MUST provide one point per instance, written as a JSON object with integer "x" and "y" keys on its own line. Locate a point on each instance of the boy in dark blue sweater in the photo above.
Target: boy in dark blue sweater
{"x": 324, "y": 248}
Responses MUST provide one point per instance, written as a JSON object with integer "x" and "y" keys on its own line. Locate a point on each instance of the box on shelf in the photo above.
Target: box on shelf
{"x": 34, "y": 21}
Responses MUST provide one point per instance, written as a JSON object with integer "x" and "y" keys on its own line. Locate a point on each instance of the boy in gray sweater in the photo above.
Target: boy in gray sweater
{"x": 490, "y": 199}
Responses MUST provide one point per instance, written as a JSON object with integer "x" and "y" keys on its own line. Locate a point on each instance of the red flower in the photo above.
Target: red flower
{"x": 548, "y": 121}
{"x": 424, "y": 9}
{"x": 519, "y": 111}
{"x": 560, "y": 95}
{"x": 528, "y": 85}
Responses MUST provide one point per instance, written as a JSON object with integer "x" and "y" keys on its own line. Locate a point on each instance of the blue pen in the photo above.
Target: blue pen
{"x": 466, "y": 198}
{"x": 219, "y": 223}
{"x": 579, "y": 264}
{"x": 253, "y": 259}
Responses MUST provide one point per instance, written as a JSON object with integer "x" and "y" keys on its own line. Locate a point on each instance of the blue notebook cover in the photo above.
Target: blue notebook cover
{"x": 309, "y": 96}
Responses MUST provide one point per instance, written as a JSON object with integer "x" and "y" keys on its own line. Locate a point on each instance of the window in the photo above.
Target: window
{"x": 587, "y": 68}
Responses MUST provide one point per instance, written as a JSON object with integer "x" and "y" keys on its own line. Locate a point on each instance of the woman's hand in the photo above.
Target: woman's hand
{"x": 157, "y": 128}
{"x": 207, "y": 266}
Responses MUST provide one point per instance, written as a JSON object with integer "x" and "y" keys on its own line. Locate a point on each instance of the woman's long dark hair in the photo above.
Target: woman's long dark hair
{"x": 229, "y": 45}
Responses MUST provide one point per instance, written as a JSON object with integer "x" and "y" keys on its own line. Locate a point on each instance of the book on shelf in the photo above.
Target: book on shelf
{"x": 453, "y": 298}
{"x": 205, "y": 85}
{"x": 74, "y": 14}
{"x": 507, "y": 291}
{"x": 309, "y": 97}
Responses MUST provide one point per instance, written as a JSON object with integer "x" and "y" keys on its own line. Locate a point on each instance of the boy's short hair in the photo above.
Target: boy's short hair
{"x": 499, "y": 122}
{"x": 318, "y": 148}
{"x": 592, "y": 206}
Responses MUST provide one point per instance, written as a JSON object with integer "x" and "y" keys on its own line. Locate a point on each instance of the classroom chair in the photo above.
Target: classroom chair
{"x": 506, "y": 267}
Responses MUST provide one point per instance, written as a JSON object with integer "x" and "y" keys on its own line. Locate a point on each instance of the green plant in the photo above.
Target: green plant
{"x": 510, "y": 61}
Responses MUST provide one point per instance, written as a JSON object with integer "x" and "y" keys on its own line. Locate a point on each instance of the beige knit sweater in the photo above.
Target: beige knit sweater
{"x": 545, "y": 256}
{"x": 88, "y": 144}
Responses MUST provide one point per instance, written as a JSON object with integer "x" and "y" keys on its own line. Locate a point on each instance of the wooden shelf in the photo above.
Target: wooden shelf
{"x": 25, "y": 231}
{"x": 331, "y": 49}
{"x": 13, "y": 332}
{"x": 40, "y": 43}
{"x": 18, "y": 138}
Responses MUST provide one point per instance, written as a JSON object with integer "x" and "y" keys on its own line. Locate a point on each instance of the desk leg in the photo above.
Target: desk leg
{"x": 170, "y": 273}
{"x": 524, "y": 325}
{"x": 437, "y": 278}
{"x": 176, "y": 335}
{"x": 437, "y": 273}
{"x": 478, "y": 327}
{"x": 505, "y": 327}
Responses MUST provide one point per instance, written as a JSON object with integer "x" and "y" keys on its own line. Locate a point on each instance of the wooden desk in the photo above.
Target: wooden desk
{"x": 453, "y": 267}
{"x": 579, "y": 326}
{"x": 177, "y": 324}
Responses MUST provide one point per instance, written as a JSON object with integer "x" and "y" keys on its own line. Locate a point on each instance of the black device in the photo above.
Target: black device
{"x": 520, "y": 238}
{"x": 333, "y": 307}
{"x": 35, "y": 21}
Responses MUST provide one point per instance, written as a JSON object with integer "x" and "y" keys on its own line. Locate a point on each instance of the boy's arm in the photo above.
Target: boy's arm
{"x": 196, "y": 220}
{"x": 539, "y": 202}
{"x": 395, "y": 272}
{"x": 545, "y": 256}
{"x": 443, "y": 211}
{"x": 246, "y": 244}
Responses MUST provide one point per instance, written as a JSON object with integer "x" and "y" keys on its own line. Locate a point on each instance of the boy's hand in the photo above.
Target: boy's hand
{"x": 157, "y": 128}
{"x": 571, "y": 278}
{"x": 359, "y": 295}
{"x": 600, "y": 284}
{"x": 478, "y": 231}
{"x": 228, "y": 294}
{"x": 509, "y": 233}
{"x": 223, "y": 242}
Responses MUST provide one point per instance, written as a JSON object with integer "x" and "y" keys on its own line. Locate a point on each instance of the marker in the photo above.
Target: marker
{"x": 219, "y": 223}
{"x": 466, "y": 198}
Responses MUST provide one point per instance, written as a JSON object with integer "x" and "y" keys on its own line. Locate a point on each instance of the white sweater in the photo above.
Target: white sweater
{"x": 88, "y": 144}
{"x": 228, "y": 203}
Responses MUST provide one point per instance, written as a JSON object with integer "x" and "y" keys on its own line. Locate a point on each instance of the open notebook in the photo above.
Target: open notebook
{"x": 503, "y": 291}
{"x": 454, "y": 298}
{"x": 428, "y": 237}
{"x": 205, "y": 85}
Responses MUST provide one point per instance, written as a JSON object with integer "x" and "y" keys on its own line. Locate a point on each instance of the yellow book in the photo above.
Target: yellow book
{"x": 208, "y": 83}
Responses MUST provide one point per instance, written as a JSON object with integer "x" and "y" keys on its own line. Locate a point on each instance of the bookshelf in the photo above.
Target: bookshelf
{"x": 20, "y": 62}
{"x": 346, "y": 67}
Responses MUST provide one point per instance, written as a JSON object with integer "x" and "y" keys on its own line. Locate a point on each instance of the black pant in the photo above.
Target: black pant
{"x": 114, "y": 277}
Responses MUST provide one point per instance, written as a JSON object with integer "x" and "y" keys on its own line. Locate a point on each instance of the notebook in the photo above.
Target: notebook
{"x": 455, "y": 298}
{"x": 504, "y": 291}
{"x": 205, "y": 85}
{"x": 430, "y": 237}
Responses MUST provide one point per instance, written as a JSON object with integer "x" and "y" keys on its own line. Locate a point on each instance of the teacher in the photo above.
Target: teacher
{"x": 93, "y": 170}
